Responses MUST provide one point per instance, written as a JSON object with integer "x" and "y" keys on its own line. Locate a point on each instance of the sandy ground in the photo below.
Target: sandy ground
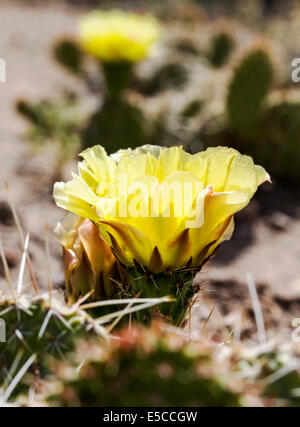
{"x": 266, "y": 242}
{"x": 27, "y": 35}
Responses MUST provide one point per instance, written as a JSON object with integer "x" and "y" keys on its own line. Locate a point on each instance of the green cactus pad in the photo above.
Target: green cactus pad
{"x": 250, "y": 84}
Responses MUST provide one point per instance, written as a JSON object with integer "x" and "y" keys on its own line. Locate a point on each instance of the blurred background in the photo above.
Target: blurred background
{"x": 220, "y": 74}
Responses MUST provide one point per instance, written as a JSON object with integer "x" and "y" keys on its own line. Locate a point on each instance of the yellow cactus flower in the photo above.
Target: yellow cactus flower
{"x": 117, "y": 36}
{"x": 88, "y": 260}
{"x": 162, "y": 207}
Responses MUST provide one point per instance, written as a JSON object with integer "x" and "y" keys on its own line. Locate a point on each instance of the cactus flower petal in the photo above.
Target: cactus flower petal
{"x": 88, "y": 259}
{"x": 162, "y": 207}
{"x": 117, "y": 36}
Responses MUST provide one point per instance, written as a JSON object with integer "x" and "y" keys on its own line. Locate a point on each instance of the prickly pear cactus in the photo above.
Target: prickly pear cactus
{"x": 275, "y": 372}
{"x": 51, "y": 120}
{"x": 279, "y": 144}
{"x": 221, "y": 48}
{"x": 116, "y": 117}
{"x": 35, "y": 326}
{"x": 144, "y": 367}
{"x": 172, "y": 75}
{"x": 177, "y": 284}
{"x": 249, "y": 86}
{"x": 68, "y": 54}
{"x": 55, "y": 122}
{"x": 274, "y": 141}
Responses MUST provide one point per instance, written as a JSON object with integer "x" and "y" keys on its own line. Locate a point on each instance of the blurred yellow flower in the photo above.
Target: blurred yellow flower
{"x": 117, "y": 36}
{"x": 88, "y": 260}
{"x": 162, "y": 207}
